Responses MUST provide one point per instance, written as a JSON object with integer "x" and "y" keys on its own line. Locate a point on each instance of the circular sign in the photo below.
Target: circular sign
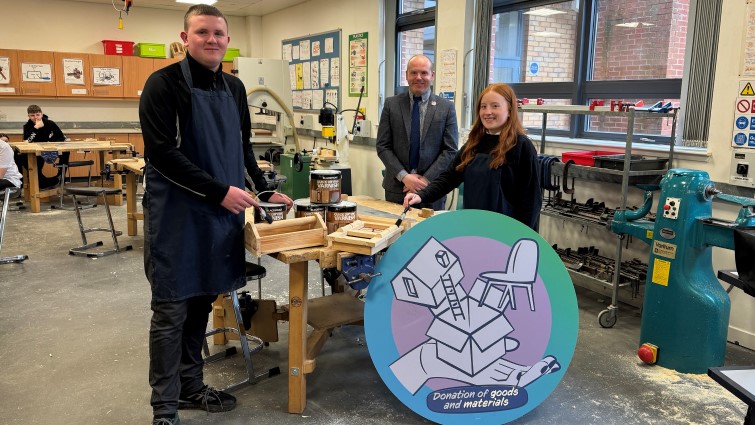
{"x": 743, "y": 106}
{"x": 742, "y": 123}
{"x": 740, "y": 139}
{"x": 473, "y": 318}
{"x": 534, "y": 68}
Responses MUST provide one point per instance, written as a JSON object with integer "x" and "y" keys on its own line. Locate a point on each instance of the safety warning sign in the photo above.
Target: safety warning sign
{"x": 743, "y": 135}
{"x": 747, "y": 90}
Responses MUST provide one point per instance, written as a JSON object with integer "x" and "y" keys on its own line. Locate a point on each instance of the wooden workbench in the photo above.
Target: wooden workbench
{"x": 132, "y": 167}
{"x": 323, "y": 314}
{"x": 33, "y": 150}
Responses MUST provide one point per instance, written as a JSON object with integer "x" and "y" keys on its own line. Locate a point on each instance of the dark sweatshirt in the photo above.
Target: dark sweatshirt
{"x": 49, "y": 132}
{"x": 165, "y": 97}
{"x": 520, "y": 182}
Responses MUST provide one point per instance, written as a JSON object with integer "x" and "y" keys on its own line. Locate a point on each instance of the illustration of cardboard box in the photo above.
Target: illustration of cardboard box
{"x": 473, "y": 342}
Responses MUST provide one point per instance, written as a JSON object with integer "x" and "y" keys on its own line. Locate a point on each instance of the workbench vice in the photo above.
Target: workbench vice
{"x": 686, "y": 310}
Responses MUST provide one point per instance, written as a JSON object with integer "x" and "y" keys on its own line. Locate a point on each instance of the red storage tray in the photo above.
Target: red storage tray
{"x": 118, "y": 47}
{"x": 585, "y": 157}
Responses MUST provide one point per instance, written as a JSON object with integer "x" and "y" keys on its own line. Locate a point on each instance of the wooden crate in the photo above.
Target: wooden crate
{"x": 303, "y": 232}
{"x": 364, "y": 237}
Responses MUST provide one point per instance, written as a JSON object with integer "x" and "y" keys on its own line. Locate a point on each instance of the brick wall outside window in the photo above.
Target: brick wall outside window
{"x": 652, "y": 49}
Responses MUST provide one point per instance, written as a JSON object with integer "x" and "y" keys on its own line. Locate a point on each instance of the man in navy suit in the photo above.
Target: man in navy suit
{"x": 433, "y": 121}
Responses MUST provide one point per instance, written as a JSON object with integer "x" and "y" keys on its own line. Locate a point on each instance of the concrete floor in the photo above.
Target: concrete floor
{"x": 73, "y": 350}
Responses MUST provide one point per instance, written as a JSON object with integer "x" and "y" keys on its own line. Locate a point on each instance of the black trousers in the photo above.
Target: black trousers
{"x": 44, "y": 181}
{"x": 175, "y": 350}
{"x": 5, "y": 184}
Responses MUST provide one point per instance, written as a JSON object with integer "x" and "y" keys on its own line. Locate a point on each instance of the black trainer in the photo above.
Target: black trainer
{"x": 166, "y": 420}
{"x": 208, "y": 399}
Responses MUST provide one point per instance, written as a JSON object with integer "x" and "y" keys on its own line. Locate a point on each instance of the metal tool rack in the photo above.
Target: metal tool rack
{"x": 608, "y": 317}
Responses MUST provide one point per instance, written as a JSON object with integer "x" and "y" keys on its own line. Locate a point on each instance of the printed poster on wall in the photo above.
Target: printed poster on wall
{"x": 36, "y": 72}
{"x": 472, "y": 324}
{"x": 73, "y": 71}
{"x": 314, "y": 62}
{"x": 748, "y": 54}
{"x": 4, "y": 70}
{"x": 358, "y": 64}
{"x": 106, "y": 76}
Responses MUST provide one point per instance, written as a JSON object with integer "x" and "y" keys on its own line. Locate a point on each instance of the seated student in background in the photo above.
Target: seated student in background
{"x": 40, "y": 128}
{"x": 9, "y": 174}
{"x": 498, "y": 164}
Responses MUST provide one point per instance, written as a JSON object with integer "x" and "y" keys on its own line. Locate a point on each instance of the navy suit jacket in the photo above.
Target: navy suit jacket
{"x": 438, "y": 141}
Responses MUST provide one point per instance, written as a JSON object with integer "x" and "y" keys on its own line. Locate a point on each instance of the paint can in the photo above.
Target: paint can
{"x": 304, "y": 208}
{"x": 324, "y": 186}
{"x": 340, "y": 214}
{"x": 276, "y": 211}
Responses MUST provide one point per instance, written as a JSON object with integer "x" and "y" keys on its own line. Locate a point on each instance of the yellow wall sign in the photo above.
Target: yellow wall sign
{"x": 664, "y": 249}
{"x": 747, "y": 90}
{"x": 661, "y": 270}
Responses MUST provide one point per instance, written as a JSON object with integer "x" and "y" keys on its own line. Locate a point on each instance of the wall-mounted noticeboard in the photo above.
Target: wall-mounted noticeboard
{"x": 314, "y": 66}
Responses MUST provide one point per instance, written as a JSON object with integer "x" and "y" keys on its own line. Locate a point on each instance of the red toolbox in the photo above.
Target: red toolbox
{"x": 585, "y": 157}
{"x": 118, "y": 47}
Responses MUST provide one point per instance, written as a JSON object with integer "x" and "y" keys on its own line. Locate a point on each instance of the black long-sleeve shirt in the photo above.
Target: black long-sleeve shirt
{"x": 519, "y": 178}
{"x": 165, "y": 106}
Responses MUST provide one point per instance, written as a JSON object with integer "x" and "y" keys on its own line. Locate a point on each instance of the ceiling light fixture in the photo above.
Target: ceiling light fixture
{"x": 544, "y": 12}
{"x": 208, "y": 2}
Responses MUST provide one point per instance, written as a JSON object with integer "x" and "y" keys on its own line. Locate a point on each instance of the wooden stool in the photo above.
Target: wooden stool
{"x": 253, "y": 271}
{"x": 95, "y": 191}
{"x": 3, "y": 218}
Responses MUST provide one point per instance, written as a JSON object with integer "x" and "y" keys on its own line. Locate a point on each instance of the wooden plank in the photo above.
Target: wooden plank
{"x": 328, "y": 258}
{"x": 362, "y": 234}
{"x": 288, "y": 241}
{"x": 315, "y": 342}
{"x": 218, "y": 321}
{"x": 264, "y": 325}
{"x": 266, "y": 229}
{"x": 334, "y": 310}
{"x": 386, "y": 207}
{"x": 299, "y": 255}
{"x": 297, "y": 337}
{"x": 341, "y": 256}
{"x": 366, "y": 250}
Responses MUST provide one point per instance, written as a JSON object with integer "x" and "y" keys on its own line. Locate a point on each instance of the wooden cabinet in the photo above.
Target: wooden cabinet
{"x": 137, "y": 140}
{"x": 162, "y": 63}
{"x": 73, "y": 74}
{"x": 37, "y": 73}
{"x": 106, "y": 75}
{"x": 136, "y": 70}
{"x": 228, "y": 67}
{"x": 9, "y": 74}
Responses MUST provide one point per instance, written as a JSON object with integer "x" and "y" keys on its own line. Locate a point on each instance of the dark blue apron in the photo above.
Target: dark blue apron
{"x": 193, "y": 247}
{"x": 483, "y": 187}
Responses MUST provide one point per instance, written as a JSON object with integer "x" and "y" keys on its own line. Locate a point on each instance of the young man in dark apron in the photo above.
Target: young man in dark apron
{"x": 196, "y": 127}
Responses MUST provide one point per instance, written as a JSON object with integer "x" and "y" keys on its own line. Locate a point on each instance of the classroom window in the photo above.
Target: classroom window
{"x": 415, "y": 34}
{"x": 406, "y": 6}
{"x": 572, "y": 52}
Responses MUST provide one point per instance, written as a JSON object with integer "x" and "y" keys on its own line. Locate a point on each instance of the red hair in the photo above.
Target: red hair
{"x": 512, "y": 128}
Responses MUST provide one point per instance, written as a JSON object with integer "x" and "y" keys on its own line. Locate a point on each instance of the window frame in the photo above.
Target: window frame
{"x": 416, "y": 19}
{"x": 582, "y": 89}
